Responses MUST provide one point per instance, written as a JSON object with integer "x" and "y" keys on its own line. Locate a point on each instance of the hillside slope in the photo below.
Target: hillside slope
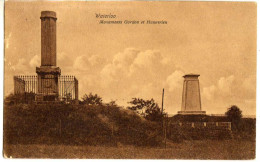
{"x": 77, "y": 125}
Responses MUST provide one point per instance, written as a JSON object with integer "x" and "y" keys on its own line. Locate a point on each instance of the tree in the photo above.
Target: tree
{"x": 112, "y": 103}
{"x": 147, "y": 108}
{"x": 91, "y": 99}
{"x": 234, "y": 115}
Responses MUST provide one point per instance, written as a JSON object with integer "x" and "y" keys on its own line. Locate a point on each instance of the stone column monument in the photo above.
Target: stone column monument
{"x": 48, "y": 73}
{"x": 191, "y": 101}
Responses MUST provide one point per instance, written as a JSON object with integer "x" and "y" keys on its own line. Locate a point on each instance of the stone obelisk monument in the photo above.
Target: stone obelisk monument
{"x": 48, "y": 73}
{"x": 191, "y": 101}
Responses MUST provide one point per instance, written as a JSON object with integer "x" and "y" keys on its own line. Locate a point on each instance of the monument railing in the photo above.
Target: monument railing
{"x": 25, "y": 84}
{"x": 67, "y": 86}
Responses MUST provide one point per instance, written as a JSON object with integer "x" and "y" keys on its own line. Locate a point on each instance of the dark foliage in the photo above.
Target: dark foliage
{"x": 234, "y": 115}
{"x": 90, "y": 99}
{"x": 246, "y": 129}
{"x": 151, "y": 109}
{"x": 112, "y": 103}
{"x": 19, "y": 98}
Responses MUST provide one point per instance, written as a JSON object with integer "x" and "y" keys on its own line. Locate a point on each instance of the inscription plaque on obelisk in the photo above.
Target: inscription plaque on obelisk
{"x": 191, "y": 101}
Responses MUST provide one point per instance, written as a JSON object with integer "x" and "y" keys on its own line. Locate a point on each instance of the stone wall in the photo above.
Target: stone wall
{"x": 200, "y": 130}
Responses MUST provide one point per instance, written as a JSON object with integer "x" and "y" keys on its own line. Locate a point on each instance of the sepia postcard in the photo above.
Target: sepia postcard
{"x": 130, "y": 80}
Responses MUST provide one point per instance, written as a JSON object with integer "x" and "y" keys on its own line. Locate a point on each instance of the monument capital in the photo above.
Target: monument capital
{"x": 48, "y": 14}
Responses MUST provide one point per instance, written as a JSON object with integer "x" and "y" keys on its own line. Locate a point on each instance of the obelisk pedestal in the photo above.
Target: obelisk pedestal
{"x": 191, "y": 101}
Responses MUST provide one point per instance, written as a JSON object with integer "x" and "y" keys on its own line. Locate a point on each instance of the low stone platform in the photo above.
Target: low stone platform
{"x": 200, "y": 130}
{"x": 205, "y": 125}
{"x": 192, "y": 112}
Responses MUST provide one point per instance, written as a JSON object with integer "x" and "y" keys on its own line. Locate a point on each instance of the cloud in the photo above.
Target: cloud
{"x": 81, "y": 63}
{"x": 9, "y": 65}
{"x": 96, "y": 60}
{"x": 231, "y": 90}
{"x": 86, "y": 63}
{"x": 223, "y": 88}
{"x": 35, "y": 61}
{"x": 119, "y": 67}
{"x": 135, "y": 66}
{"x": 148, "y": 58}
{"x": 225, "y": 84}
{"x": 21, "y": 66}
{"x": 149, "y": 61}
{"x": 133, "y": 72}
{"x": 249, "y": 84}
{"x": 126, "y": 57}
{"x": 175, "y": 80}
{"x": 64, "y": 59}
{"x": 137, "y": 73}
{"x": 209, "y": 92}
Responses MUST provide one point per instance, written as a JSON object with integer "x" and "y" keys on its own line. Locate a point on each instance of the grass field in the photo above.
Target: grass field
{"x": 206, "y": 149}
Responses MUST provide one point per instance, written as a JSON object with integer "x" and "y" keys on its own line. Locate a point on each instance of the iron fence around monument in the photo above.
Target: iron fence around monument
{"x": 25, "y": 84}
{"x": 67, "y": 86}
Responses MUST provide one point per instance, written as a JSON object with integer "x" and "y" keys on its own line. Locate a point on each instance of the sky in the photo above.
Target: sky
{"x": 120, "y": 61}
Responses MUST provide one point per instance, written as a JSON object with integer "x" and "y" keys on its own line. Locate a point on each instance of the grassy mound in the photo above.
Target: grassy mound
{"x": 77, "y": 125}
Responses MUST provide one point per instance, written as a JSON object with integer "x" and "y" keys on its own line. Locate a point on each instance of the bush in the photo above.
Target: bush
{"x": 151, "y": 109}
{"x": 234, "y": 115}
{"x": 90, "y": 99}
{"x": 19, "y": 98}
